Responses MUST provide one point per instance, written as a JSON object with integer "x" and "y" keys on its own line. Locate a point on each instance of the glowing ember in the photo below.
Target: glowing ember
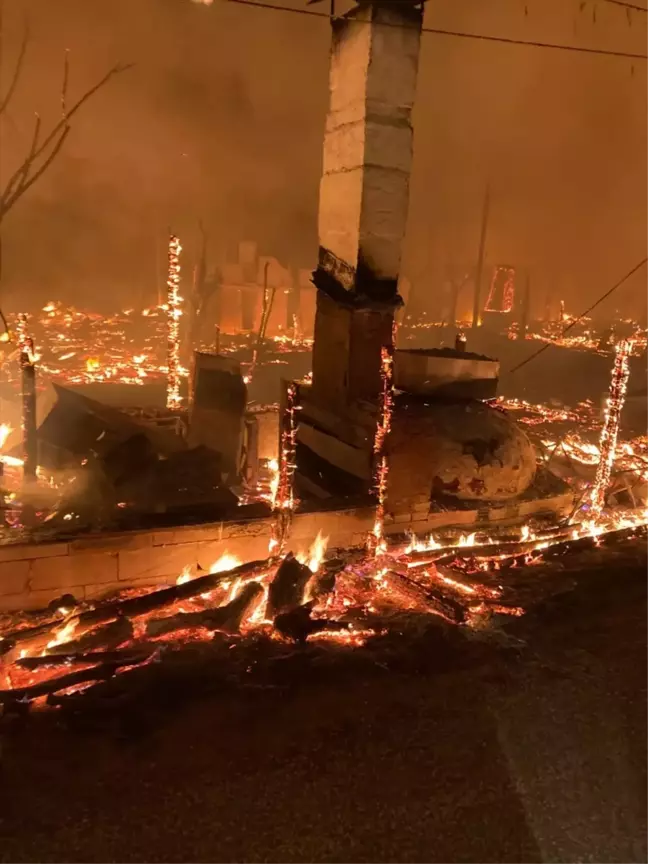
{"x": 282, "y": 485}
{"x": 610, "y": 432}
{"x": 174, "y": 312}
{"x": 376, "y": 541}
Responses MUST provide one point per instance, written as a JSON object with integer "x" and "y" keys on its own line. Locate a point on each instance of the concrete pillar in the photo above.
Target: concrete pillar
{"x": 364, "y": 192}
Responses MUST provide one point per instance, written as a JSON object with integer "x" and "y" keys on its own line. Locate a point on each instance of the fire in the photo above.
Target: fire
{"x": 93, "y": 364}
{"x": 610, "y": 432}
{"x": 273, "y": 467}
{"x": 5, "y": 432}
{"x": 185, "y": 576}
{"x": 282, "y": 492}
{"x": 174, "y": 312}
{"x": 376, "y": 541}
{"x": 315, "y": 554}
{"x": 225, "y": 562}
{"x": 467, "y": 540}
{"x": 63, "y": 635}
{"x": 221, "y": 565}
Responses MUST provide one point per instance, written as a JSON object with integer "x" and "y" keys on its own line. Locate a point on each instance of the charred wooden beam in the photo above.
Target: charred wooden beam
{"x": 167, "y": 596}
{"x": 298, "y": 625}
{"x": 228, "y": 617}
{"x": 127, "y": 656}
{"x": 62, "y": 682}
{"x": 287, "y": 588}
{"x": 107, "y": 637}
{"x": 405, "y": 590}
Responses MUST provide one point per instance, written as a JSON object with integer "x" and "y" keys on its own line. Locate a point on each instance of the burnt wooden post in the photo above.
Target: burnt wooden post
{"x": 526, "y": 308}
{"x": 477, "y": 304}
{"x": 30, "y": 441}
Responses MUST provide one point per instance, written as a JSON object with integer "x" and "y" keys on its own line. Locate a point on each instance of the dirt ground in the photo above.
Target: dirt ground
{"x": 525, "y": 744}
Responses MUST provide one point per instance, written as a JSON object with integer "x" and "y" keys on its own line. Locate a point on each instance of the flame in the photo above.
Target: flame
{"x": 282, "y": 491}
{"x": 315, "y": 553}
{"x": 221, "y": 565}
{"x": 185, "y": 576}
{"x": 174, "y": 313}
{"x": 468, "y": 540}
{"x": 376, "y": 541}
{"x": 93, "y": 364}
{"x": 5, "y": 432}
{"x": 225, "y": 562}
{"x": 610, "y": 431}
{"x": 64, "y": 634}
{"x": 273, "y": 467}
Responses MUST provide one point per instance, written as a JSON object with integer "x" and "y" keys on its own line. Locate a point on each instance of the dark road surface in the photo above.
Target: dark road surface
{"x": 539, "y": 756}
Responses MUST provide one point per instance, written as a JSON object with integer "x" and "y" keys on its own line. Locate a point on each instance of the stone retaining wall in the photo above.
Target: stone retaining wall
{"x": 31, "y": 575}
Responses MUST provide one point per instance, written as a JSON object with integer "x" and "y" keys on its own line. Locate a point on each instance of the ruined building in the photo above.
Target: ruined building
{"x": 447, "y": 448}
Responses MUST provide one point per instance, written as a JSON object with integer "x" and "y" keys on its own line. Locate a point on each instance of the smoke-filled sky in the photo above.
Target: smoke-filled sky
{"x": 222, "y": 119}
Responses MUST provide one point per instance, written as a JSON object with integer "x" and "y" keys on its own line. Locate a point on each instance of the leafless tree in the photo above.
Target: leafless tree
{"x": 45, "y": 146}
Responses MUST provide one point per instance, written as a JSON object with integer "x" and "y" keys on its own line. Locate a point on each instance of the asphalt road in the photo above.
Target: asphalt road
{"x": 532, "y": 754}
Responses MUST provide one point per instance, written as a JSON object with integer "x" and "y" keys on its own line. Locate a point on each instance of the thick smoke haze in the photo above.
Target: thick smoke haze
{"x": 222, "y": 117}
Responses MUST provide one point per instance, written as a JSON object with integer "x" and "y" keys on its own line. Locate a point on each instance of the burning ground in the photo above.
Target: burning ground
{"x": 73, "y": 651}
{"x": 523, "y": 741}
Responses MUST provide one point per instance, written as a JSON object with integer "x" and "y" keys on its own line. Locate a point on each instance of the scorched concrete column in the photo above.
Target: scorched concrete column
{"x": 364, "y": 193}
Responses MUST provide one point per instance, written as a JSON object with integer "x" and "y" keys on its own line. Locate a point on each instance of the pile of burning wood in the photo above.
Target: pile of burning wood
{"x": 348, "y": 597}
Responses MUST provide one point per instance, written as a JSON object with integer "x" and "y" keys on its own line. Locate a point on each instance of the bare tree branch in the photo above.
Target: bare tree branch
{"x": 64, "y": 87}
{"x": 6, "y": 205}
{"x": 23, "y": 178}
{"x": 21, "y": 172}
{"x": 6, "y": 99}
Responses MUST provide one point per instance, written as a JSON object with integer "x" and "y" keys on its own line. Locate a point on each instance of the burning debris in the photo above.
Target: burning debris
{"x": 357, "y": 433}
{"x": 349, "y": 598}
{"x": 174, "y": 311}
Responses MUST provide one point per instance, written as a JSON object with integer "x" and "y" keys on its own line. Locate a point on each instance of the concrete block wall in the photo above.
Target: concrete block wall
{"x": 32, "y": 575}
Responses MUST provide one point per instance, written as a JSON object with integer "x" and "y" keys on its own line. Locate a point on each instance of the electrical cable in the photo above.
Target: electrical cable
{"x": 627, "y": 5}
{"x": 581, "y": 316}
{"x": 274, "y": 7}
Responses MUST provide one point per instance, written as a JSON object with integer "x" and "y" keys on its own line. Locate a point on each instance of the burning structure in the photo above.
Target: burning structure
{"x": 445, "y": 447}
{"x": 416, "y": 436}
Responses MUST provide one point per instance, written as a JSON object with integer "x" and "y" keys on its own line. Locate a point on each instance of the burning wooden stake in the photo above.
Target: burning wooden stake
{"x": 228, "y": 617}
{"x": 283, "y": 497}
{"x": 173, "y": 304}
{"x": 610, "y": 431}
{"x": 376, "y": 540}
{"x": 28, "y": 375}
{"x": 287, "y": 588}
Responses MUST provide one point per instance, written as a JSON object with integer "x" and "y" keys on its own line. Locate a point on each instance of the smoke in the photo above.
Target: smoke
{"x": 221, "y": 119}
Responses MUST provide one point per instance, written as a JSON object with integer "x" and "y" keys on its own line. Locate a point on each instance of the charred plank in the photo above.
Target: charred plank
{"x": 228, "y": 617}
{"x": 287, "y": 588}
{"x": 126, "y": 656}
{"x": 135, "y": 606}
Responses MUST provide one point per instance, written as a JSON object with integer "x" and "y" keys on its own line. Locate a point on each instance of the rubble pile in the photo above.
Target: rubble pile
{"x": 346, "y": 598}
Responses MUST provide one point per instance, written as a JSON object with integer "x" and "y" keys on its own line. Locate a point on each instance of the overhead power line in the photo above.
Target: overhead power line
{"x": 582, "y": 315}
{"x": 273, "y": 7}
{"x": 627, "y": 5}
